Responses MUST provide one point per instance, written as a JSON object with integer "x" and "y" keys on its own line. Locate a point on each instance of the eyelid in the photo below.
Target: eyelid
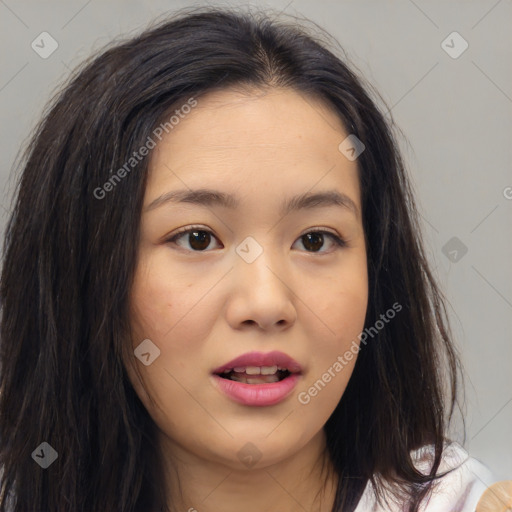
{"x": 322, "y": 229}
{"x": 336, "y": 238}
{"x": 187, "y": 229}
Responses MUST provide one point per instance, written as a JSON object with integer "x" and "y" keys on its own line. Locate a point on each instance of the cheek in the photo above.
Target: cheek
{"x": 348, "y": 311}
{"x": 341, "y": 307}
{"x": 176, "y": 315}
{"x": 334, "y": 354}
{"x": 350, "y": 294}
{"x": 166, "y": 307}
{"x": 344, "y": 314}
{"x": 173, "y": 327}
{"x": 150, "y": 300}
{"x": 166, "y": 311}
{"x": 340, "y": 302}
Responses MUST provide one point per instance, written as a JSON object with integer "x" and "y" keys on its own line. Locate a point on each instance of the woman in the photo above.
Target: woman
{"x": 214, "y": 291}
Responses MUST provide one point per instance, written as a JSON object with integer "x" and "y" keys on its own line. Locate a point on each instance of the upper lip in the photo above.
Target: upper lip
{"x": 276, "y": 358}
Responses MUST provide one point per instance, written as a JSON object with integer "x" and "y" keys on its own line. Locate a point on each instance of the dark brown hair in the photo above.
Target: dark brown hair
{"x": 69, "y": 260}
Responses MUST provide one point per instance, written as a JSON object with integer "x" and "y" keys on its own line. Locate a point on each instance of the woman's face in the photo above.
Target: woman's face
{"x": 256, "y": 278}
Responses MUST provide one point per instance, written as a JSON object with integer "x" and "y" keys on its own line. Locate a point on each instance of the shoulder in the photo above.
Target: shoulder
{"x": 463, "y": 485}
{"x": 465, "y": 481}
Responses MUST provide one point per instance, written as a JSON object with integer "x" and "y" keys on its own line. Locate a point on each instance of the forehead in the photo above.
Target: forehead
{"x": 258, "y": 115}
{"x": 276, "y": 139}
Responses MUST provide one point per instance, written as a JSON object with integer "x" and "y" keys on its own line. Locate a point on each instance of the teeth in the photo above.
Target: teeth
{"x": 268, "y": 379}
{"x": 254, "y": 370}
{"x": 253, "y": 381}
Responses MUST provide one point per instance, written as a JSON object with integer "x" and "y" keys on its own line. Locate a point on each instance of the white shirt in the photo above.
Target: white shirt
{"x": 458, "y": 491}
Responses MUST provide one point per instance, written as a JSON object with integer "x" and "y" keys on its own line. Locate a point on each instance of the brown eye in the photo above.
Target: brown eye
{"x": 313, "y": 241}
{"x": 198, "y": 239}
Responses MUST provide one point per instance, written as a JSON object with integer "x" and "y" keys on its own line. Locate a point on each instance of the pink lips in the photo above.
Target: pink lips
{"x": 259, "y": 394}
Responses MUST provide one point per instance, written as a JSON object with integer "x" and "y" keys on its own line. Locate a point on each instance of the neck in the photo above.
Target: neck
{"x": 303, "y": 481}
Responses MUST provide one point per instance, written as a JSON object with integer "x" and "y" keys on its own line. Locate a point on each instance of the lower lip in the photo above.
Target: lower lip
{"x": 257, "y": 394}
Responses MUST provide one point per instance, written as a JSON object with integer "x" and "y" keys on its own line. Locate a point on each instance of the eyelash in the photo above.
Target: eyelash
{"x": 338, "y": 241}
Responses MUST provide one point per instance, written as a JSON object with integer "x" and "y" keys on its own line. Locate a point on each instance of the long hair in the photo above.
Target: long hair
{"x": 70, "y": 255}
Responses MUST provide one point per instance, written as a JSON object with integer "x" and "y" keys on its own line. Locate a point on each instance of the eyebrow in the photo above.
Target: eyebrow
{"x": 209, "y": 197}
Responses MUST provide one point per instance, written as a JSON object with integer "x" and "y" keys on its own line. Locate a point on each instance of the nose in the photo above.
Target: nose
{"x": 261, "y": 295}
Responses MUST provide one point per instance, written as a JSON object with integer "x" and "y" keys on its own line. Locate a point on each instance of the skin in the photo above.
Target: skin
{"x": 203, "y": 308}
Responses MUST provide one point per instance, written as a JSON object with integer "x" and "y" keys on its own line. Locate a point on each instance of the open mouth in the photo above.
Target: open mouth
{"x": 255, "y": 374}
{"x": 258, "y": 379}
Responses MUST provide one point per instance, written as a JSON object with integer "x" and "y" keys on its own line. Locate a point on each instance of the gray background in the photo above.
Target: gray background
{"x": 455, "y": 113}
